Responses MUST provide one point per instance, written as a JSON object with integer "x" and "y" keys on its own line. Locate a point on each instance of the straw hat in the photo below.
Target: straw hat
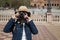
{"x": 23, "y": 8}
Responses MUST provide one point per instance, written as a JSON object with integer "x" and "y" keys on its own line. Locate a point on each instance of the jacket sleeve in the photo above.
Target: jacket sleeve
{"x": 9, "y": 26}
{"x": 33, "y": 27}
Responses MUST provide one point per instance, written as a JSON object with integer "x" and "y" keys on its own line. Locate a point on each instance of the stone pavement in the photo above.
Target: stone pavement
{"x": 43, "y": 33}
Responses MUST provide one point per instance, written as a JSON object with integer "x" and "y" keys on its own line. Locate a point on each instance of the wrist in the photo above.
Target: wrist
{"x": 29, "y": 19}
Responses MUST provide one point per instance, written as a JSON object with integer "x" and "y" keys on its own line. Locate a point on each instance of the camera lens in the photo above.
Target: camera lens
{"x": 21, "y": 15}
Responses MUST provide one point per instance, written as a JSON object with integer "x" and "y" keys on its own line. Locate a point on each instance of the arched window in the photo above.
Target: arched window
{"x": 57, "y": 4}
{"x": 44, "y": 4}
{"x": 34, "y": 5}
{"x": 52, "y": 4}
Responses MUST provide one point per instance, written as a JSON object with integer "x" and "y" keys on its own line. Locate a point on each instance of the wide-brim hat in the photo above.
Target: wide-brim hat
{"x": 23, "y": 8}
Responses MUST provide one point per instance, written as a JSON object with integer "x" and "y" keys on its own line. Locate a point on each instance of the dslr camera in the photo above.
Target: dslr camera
{"x": 21, "y": 18}
{"x": 21, "y": 15}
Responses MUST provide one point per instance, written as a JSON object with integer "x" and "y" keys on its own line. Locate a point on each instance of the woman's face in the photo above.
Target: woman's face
{"x": 26, "y": 16}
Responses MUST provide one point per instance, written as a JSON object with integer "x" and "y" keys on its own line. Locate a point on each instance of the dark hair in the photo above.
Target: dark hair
{"x": 15, "y": 12}
{"x": 29, "y": 14}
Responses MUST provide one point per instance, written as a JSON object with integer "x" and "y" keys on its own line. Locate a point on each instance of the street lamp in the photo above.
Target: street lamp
{"x": 48, "y": 6}
{"x": 48, "y": 14}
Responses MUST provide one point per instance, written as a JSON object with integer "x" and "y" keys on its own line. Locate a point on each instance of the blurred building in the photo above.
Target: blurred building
{"x": 36, "y": 16}
{"x": 5, "y": 15}
{"x": 44, "y": 3}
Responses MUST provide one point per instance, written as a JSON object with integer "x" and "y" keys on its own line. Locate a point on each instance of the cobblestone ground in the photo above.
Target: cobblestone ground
{"x": 44, "y": 34}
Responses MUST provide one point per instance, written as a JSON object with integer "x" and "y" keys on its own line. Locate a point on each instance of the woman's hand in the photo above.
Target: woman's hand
{"x": 14, "y": 16}
{"x": 27, "y": 18}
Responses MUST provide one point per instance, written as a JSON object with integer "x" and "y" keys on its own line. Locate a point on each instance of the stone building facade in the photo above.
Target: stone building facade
{"x": 4, "y": 17}
{"x": 44, "y": 3}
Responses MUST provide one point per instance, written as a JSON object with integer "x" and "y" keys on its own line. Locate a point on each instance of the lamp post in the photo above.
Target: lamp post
{"x": 48, "y": 14}
{"x": 48, "y": 6}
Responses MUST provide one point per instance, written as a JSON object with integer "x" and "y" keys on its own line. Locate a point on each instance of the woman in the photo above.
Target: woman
{"x": 18, "y": 31}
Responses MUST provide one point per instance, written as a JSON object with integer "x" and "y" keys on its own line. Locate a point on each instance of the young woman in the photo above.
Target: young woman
{"x": 21, "y": 31}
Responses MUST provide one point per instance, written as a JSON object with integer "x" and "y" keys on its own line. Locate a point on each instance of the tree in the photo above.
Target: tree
{"x": 2, "y": 3}
{"x": 25, "y": 2}
{"x": 15, "y": 3}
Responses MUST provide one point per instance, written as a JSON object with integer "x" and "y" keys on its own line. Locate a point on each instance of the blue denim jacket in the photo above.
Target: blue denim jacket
{"x": 30, "y": 29}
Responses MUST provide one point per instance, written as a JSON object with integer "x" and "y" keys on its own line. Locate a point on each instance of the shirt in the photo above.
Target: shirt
{"x": 24, "y": 35}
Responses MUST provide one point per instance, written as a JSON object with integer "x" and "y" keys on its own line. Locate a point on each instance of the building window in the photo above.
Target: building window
{"x": 37, "y": 19}
{"x": 57, "y": 4}
{"x": 45, "y": 4}
{"x": 52, "y": 4}
{"x": 34, "y": 5}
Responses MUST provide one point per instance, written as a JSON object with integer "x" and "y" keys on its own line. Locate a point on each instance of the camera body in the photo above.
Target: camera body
{"x": 21, "y": 15}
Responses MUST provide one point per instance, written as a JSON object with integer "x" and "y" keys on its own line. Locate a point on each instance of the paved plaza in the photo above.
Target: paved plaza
{"x": 47, "y": 31}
